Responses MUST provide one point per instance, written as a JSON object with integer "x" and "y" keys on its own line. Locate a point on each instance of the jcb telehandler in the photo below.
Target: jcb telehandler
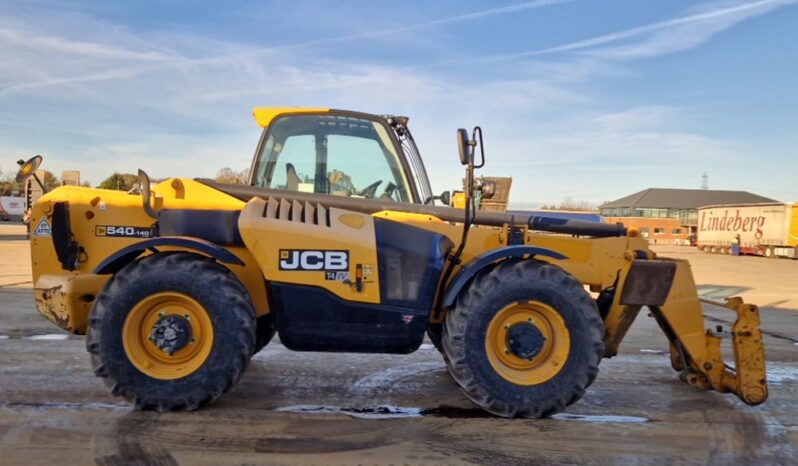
{"x": 337, "y": 245}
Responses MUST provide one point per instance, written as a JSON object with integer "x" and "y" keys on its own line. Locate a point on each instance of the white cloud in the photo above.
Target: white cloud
{"x": 681, "y": 33}
{"x": 660, "y": 37}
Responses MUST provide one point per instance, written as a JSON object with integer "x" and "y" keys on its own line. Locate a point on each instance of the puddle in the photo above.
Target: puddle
{"x": 450, "y": 412}
{"x": 47, "y": 336}
{"x": 392, "y": 412}
{"x": 380, "y": 412}
{"x": 3, "y": 337}
{"x": 653, "y": 351}
{"x": 781, "y": 373}
{"x": 600, "y": 418}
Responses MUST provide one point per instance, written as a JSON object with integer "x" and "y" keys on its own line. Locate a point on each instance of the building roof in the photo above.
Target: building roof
{"x": 684, "y": 198}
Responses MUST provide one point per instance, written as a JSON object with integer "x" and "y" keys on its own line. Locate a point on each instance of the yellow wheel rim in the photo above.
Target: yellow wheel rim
{"x": 150, "y": 359}
{"x": 551, "y": 355}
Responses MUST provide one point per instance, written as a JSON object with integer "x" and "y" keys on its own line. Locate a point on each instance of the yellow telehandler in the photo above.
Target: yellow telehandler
{"x": 337, "y": 244}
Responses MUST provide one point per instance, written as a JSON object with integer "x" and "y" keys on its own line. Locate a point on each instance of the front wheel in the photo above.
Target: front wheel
{"x": 171, "y": 331}
{"x": 525, "y": 339}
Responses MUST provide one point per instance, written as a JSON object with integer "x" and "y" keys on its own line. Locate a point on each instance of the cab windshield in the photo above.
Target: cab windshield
{"x": 337, "y": 155}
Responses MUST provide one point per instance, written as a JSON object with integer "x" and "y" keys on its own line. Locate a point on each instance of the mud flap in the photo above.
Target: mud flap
{"x": 648, "y": 283}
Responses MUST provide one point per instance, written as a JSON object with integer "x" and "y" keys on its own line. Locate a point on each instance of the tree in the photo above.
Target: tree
{"x": 7, "y": 184}
{"x": 229, "y": 176}
{"x": 119, "y": 182}
{"x": 570, "y": 203}
{"x": 226, "y": 175}
{"x": 50, "y": 181}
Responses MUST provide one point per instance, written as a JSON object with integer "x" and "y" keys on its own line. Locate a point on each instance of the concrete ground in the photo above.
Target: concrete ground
{"x": 315, "y": 408}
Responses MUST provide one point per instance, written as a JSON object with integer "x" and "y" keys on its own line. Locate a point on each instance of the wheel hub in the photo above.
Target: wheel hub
{"x": 171, "y": 333}
{"x": 525, "y": 340}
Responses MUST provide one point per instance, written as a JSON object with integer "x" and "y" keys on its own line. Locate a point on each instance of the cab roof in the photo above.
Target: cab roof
{"x": 265, "y": 115}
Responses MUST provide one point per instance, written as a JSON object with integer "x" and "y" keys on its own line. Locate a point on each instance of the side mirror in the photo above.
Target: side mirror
{"x": 488, "y": 189}
{"x": 464, "y": 147}
{"x": 26, "y": 169}
{"x": 445, "y": 198}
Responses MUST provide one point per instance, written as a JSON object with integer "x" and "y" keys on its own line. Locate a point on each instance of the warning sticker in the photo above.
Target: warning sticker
{"x": 43, "y": 229}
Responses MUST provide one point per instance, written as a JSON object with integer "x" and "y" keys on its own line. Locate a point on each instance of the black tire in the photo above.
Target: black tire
{"x": 435, "y": 334}
{"x": 466, "y": 327}
{"x": 265, "y": 332}
{"x": 223, "y": 298}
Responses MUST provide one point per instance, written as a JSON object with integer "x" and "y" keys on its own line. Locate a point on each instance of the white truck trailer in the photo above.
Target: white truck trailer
{"x": 768, "y": 229}
{"x": 11, "y": 207}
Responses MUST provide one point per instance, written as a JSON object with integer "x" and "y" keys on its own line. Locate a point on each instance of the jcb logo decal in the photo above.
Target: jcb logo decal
{"x": 310, "y": 259}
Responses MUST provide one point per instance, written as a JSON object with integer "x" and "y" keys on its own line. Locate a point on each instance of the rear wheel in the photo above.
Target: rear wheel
{"x": 171, "y": 331}
{"x": 525, "y": 339}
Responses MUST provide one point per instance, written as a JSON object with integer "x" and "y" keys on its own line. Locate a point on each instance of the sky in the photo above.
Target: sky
{"x": 590, "y": 100}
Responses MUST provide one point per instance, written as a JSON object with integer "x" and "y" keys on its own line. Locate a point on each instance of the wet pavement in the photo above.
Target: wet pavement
{"x": 319, "y": 408}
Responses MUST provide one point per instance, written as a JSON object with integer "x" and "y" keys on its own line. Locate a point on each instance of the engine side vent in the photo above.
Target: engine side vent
{"x": 295, "y": 211}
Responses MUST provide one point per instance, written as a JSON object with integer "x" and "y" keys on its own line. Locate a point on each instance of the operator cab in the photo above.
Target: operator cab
{"x": 339, "y": 153}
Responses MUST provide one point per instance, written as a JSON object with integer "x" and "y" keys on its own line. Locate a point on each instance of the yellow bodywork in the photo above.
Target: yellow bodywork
{"x": 458, "y": 200}
{"x": 65, "y": 297}
{"x": 349, "y": 231}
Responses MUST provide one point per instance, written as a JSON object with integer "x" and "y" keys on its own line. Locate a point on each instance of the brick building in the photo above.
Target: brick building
{"x": 669, "y": 216}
